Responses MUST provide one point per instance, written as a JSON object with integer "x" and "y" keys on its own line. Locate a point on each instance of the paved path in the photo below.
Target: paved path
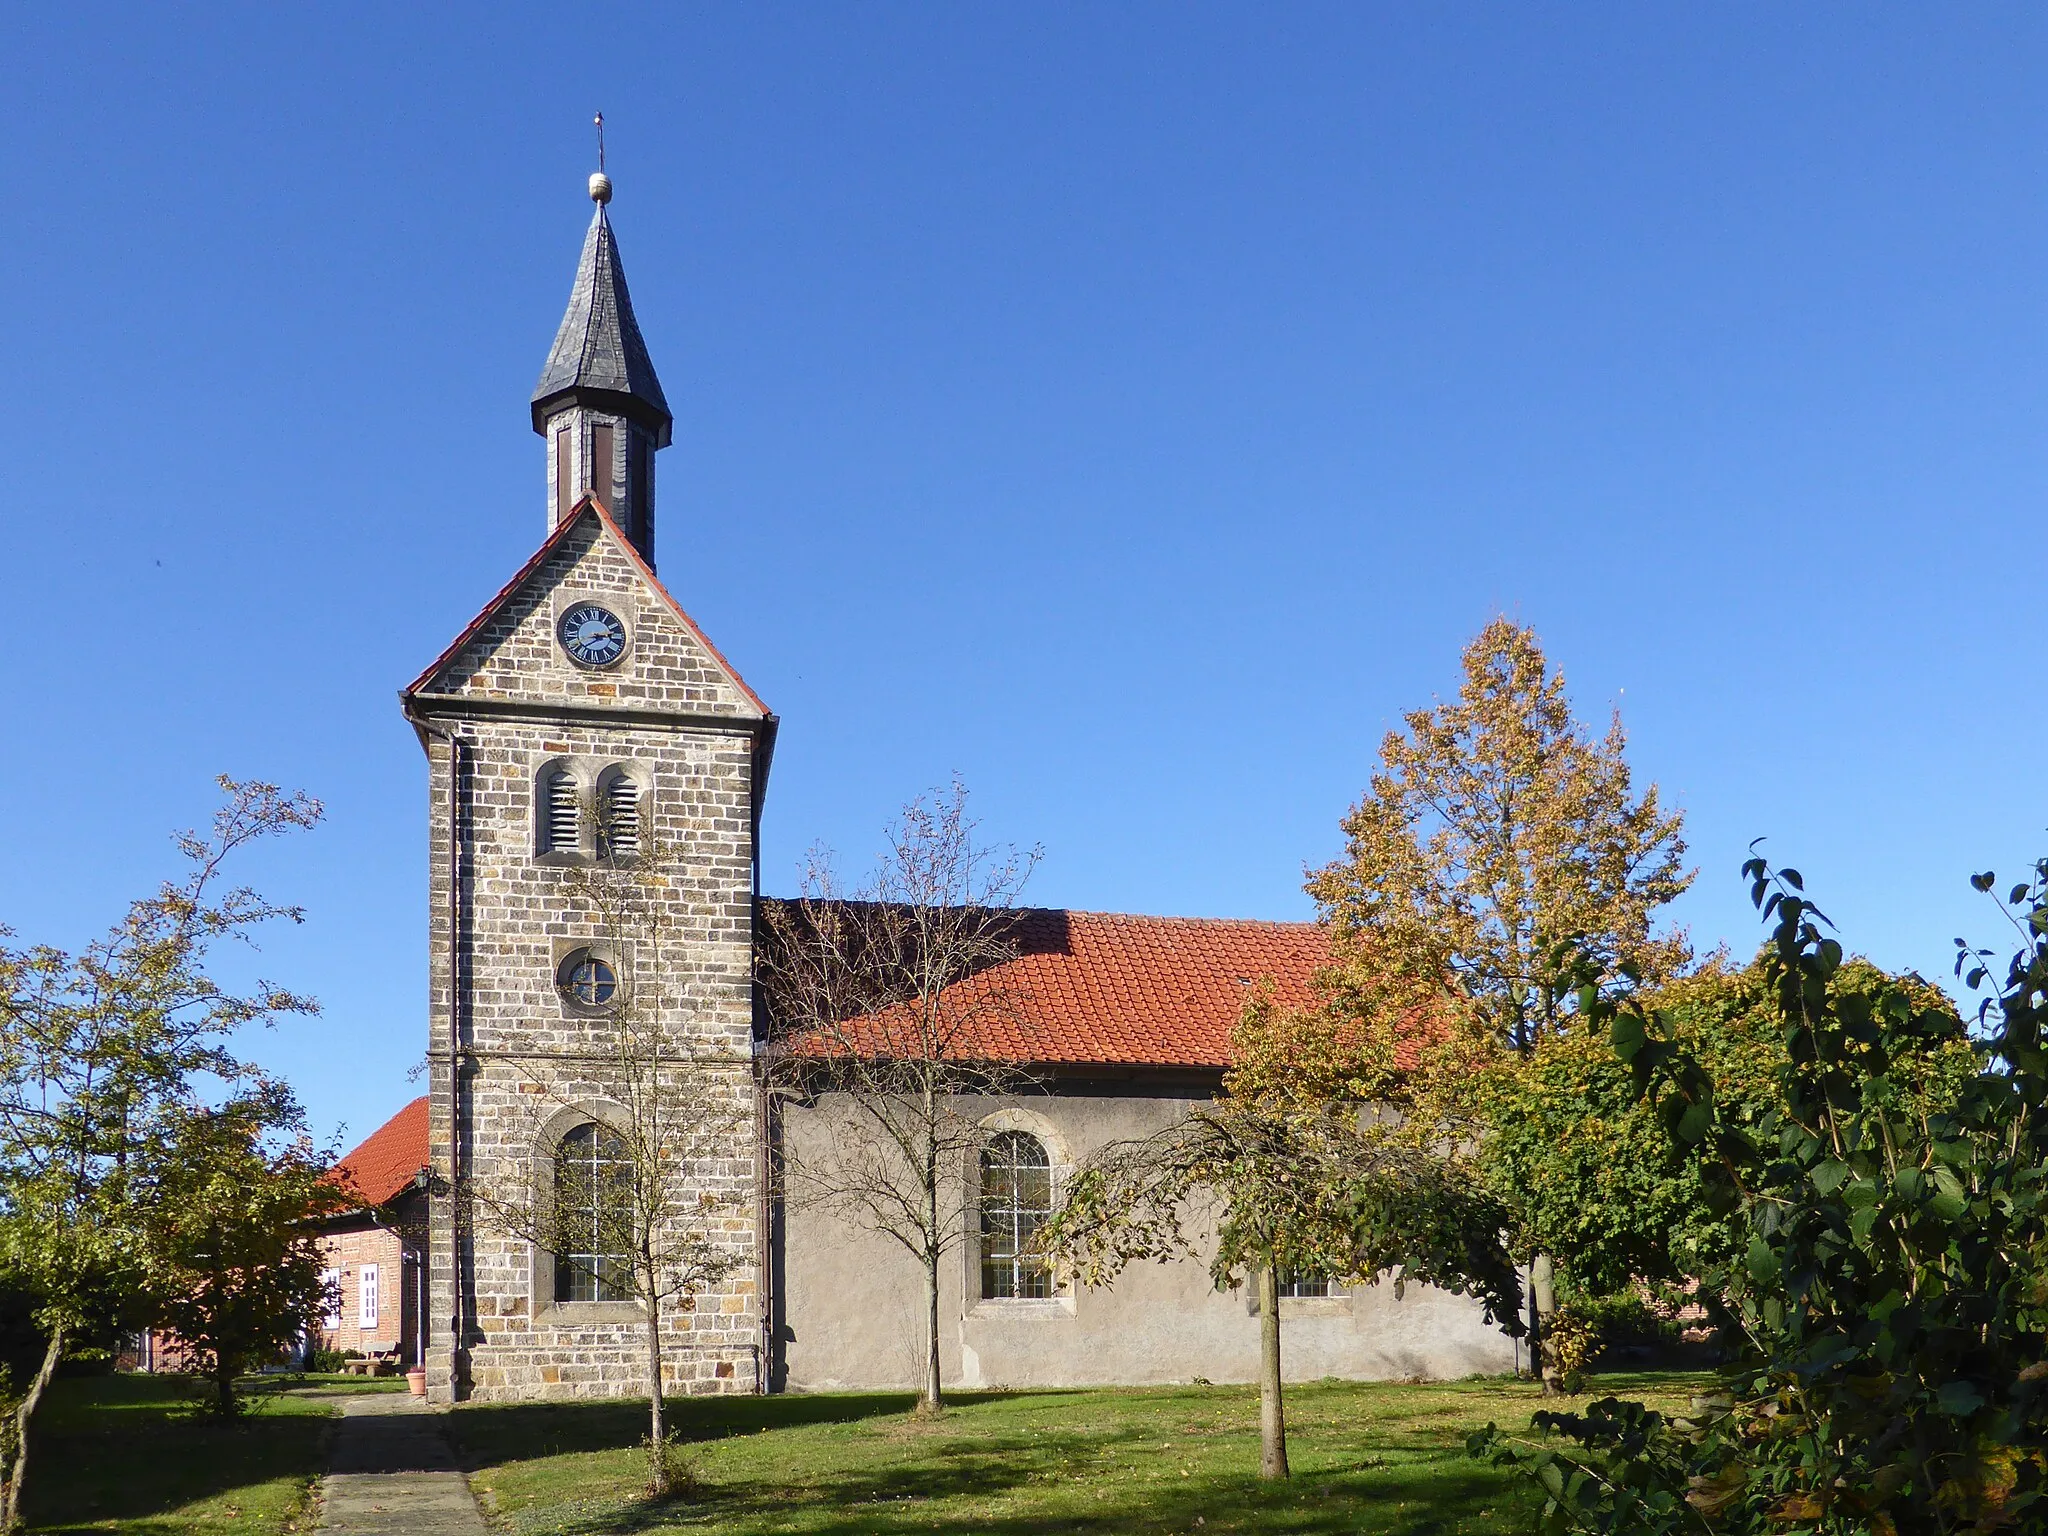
{"x": 392, "y": 1472}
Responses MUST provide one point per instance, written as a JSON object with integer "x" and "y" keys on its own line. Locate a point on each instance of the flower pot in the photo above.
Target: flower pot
{"x": 416, "y": 1380}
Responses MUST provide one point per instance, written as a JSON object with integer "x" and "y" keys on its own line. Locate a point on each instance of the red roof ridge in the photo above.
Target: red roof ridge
{"x": 1213, "y": 922}
{"x": 548, "y": 546}
{"x": 1136, "y": 918}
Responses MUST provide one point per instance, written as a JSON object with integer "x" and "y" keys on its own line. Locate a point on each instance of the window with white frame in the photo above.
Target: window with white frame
{"x": 366, "y": 1299}
{"x": 330, "y": 1292}
{"x": 1016, "y": 1199}
{"x": 1293, "y": 1284}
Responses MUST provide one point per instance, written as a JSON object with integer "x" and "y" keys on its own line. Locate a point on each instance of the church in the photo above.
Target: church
{"x": 582, "y": 715}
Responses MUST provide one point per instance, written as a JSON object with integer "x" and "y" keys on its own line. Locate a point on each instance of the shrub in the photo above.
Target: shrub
{"x": 1891, "y": 1279}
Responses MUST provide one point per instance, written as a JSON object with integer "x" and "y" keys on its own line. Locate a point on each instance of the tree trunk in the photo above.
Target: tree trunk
{"x": 657, "y": 1406}
{"x": 1542, "y": 1308}
{"x": 1272, "y": 1415}
{"x": 14, "y": 1476}
{"x": 224, "y": 1403}
{"x": 932, "y": 1399}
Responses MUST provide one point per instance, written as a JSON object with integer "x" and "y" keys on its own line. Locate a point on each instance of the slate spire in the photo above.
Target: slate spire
{"x": 598, "y": 353}
{"x": 598, "y": 403}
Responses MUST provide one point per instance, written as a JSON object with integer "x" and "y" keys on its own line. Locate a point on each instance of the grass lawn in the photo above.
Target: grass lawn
{"x": 1368, "y": 1457}
{"x": 132, "y": 1454}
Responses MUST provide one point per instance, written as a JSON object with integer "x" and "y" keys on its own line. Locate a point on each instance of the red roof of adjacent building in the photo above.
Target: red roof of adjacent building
{"x": 381, "y": 1168}
{"x": 1102, "y": 988}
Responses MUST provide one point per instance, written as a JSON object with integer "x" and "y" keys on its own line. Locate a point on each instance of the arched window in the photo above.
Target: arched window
{"x": 1016, "y": 1198}
{"x": 593, "y": 1216}
{"x": 561, "y": 812}
{"x": 619, "y": 806}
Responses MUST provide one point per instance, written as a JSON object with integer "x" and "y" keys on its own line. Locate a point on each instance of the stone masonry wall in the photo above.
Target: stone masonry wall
{"x": 530, "y": 1065}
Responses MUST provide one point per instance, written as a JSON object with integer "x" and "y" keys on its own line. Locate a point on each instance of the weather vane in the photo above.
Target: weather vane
{"x": 600, "y": 141}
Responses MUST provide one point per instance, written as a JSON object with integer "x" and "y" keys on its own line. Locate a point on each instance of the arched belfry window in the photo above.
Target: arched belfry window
{"x": 620, "y": 810}
{"x": 561, "y": 812}
{"x": 1016, "y": 1198}
{"x": 593, "y": 1216}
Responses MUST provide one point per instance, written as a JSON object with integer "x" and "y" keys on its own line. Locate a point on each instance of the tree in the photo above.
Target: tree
{"x": 1497, "y": 836}
{"x": 889, "y": 1000}
{"x": 1292, "y": 1171}
{"x": 1890, "y": 1269}
{"x": 1496, "y": 830}
{"x": 101, "y": 1052}
{"x": 1590, "y": 1165}
{"x": 644, "y": 1213}
{"x": 226, "y": 1247}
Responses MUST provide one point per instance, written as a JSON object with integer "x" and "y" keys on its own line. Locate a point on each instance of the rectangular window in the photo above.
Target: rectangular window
{"x": 565, "y": 475}
{"x": 366, "y": 1299}
{"x": 639, "y": 495}
{"x": 601, "y": 467}
{"x": 1302, "y": 1285}
{"x": 330, "y": 1287}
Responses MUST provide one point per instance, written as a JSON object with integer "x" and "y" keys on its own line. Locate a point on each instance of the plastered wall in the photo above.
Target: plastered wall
{"x": 849, "y": 1311}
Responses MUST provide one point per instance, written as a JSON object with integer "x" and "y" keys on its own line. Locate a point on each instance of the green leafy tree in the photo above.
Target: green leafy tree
{"x": 101, "y": 1053}
{"x": 1570, "y": 1140}
{"x": 1890, "y": 1279}
{"x": 1291, "y": 1171}
{"x": 225, "y": 1243}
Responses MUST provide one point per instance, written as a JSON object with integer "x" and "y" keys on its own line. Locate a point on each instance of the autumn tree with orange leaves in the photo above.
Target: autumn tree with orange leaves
{"x": 1498, "y": 839}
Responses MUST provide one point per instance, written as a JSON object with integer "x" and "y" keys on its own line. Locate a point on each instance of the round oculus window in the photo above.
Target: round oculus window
{"x": 592, "y": 634}
{"x": 588, "y": 981}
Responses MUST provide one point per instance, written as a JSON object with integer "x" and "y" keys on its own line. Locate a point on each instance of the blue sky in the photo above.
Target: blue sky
{"x": 1131, "y": 408}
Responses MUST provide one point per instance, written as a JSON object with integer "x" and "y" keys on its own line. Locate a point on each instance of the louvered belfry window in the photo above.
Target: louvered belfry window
{"x": 622, "y": 817}
{"x": 562, "y": 808}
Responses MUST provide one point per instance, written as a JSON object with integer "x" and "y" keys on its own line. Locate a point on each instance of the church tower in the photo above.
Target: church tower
{"x": 583, "y": 737}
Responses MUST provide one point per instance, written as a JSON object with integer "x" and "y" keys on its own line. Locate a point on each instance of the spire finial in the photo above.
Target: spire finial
{"x": 600, "y": 184}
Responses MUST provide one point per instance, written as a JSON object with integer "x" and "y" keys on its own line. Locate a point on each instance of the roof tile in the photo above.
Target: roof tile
{"x": 1104, "y": 988}
{"x": 381, "y": 1168}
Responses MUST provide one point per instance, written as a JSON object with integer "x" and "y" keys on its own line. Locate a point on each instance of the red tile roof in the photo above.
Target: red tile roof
{"x": 1106, "y": 989}
{"x": 381, "y": 1168}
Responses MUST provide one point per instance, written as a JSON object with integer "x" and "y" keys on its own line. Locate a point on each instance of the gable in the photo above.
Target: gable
{"x": 509, "y": 652}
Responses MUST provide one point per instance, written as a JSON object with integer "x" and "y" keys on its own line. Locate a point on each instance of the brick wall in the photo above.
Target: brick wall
{"x": 349, "y": 1257}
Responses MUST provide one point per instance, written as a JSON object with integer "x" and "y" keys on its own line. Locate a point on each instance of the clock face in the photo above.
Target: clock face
{"x": 592, "y": 635}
